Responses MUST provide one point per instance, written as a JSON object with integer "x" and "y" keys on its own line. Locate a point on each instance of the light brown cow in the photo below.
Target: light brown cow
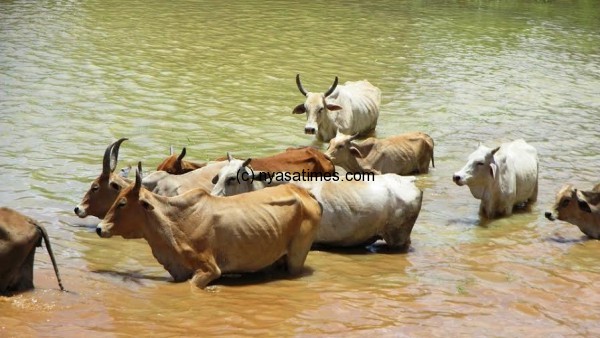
{"x": 569, "y": 207}
{"x": 19, "y": 236}
{"x": 199, "y": 236}
{"x": 176, "y": 165}
{"x": 403, "y": 154}
{"x": 292, "y": 160}
{"x": 105, "y": 188}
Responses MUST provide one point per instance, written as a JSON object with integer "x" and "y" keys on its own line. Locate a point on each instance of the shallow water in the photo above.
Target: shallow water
{"x": 214, "y": 77}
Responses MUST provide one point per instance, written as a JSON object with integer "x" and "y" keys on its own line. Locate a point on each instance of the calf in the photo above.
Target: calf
{"x": 404, "y": 154}
{"x": 502, "y": 177}
{"x": 572, "y": 206}
{"x": 354, "y": 212}
{"x": 176, "y": 165}
{"x": 19, "y": 236}
{"x": 199, "y": 236}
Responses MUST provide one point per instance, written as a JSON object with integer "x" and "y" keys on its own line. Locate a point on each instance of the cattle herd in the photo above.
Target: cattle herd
{"x": 201, "y": 220}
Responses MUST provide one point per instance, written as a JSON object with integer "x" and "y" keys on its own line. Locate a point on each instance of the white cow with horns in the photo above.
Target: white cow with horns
{"x": 353, "y": 108}
{"x": 501, "y": 178}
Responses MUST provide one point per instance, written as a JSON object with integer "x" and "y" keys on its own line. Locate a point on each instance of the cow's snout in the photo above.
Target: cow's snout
{"x": 99, "y": 231}
{"x": 456, "y": 178}
{"x": 310, "y": 130}
{"x": 549, "y": 215}
{"x": 80, "y": 212}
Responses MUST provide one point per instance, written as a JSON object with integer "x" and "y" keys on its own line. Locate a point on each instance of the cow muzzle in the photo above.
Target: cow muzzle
{"x": 457, "y": 179}
{"x": 310, "y": 130}
{"x": 101, "y": 231}
{"x": 79, "y": 211}
{"x": 549, "y": 215}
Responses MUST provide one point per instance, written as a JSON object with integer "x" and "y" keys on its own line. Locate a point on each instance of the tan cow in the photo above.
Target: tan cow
{"x": 199, "y": 236}
{"x": 570, "y": 206}
{"x": 19, "y": 236}
{"x": 403, "y": 154}
{"x": 176, "y": 165}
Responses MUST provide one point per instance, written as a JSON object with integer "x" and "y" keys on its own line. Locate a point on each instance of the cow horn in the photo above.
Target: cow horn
{"x": 353, "y": 137}
{"x": 246, "y": 162}
{"x": 181, "y": 155}
{"x": 114, "y": 153}
{"x": 106, "y": 160}
{"x": 171, "y": 150}
{"x": 229, "y": 157}
{"x": 332, "y": 88}
{"x": 138, "y": 177}
{"x": 299, "y": 84}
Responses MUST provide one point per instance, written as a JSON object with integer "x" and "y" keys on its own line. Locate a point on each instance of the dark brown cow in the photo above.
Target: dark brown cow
{"x": 19, "y": 236}
{"x": 176, "y": 165}
{"x": 308, "y": 159}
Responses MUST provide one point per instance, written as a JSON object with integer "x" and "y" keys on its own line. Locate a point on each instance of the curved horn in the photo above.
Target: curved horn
{"x": 299, "y": 84}
{"x": 114, "y": 153}
{"x": 332, "y": 88}
{"x": 106, "y": 161}
{"x": 353, "y": 137}
{"x": 246, "y": 162}
{"x": 180, "y": 157}
{"x": 229, "y": 157}
{"x": 138, "y": 178}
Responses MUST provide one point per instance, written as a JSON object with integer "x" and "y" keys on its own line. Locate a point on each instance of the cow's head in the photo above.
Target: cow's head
{"x": 234, "y": 178}
{"x": 126, "y": 216}
{"x": 176, "y": 165}
{"x": 315, "y": 106}
{"x": 104, "y": 188}
{"x": 342, "y": 149}
{"x": 573, "y": 206}
{"x": 480, "y": 167}
{"x": 565, "y": 204}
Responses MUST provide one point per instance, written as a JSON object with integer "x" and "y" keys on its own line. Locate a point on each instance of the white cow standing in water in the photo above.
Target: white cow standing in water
{"x": 502, "y": 177}
{"x": 353, "y": 108}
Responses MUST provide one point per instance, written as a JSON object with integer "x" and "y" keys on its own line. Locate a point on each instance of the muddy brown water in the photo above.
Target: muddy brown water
{"x": 217, "y": 77}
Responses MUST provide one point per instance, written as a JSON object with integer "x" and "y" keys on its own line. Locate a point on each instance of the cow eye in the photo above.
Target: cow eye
{"x": 115, "y": 186}
{"x": 122, "y": 203}
{"x": 95, "y": 187}
{"x": 339, "y": 146}
{"x": 565, "y": 203}
{"x": 479, "y": 163}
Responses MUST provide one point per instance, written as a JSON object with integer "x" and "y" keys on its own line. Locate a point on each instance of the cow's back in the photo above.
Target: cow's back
{"x": 295, "y": 160}
{"x": 173, "y": 185}
{"x": 521, "y": 159}
{"x": 360, "y": 101}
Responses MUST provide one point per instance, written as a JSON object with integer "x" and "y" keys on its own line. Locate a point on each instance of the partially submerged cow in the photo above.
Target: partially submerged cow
{"x": 404, "y": 154}
{"x": 199, "y": 236}
{"x": 576, "y": 207}
{"x": 19, "y": 236}
{"x": 501, "y": 178}
{"x": 176, "y": 165}
{"x": 354, "y": 212}
{"x": 352, "y": 108}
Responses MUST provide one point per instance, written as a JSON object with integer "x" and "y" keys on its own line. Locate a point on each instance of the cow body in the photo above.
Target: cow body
{"x": 403, "y": 154}
{"x": 199, "y": 236}
{"x": 165, "y": 184}
{"x": 19, "y": 236}
{"x": 353, "y": 108}
{"x": 502, "y": 177}
{"x": 573, "y": 206}
{"x": 354, "y": 212}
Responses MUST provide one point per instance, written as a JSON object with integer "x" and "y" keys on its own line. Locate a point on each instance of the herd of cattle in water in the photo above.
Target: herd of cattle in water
{"x": 202, "y": 221}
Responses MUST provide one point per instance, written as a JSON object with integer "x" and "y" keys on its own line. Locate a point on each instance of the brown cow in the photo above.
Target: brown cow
{"x": 308, "y": 159}
{"x": 176, "y": 165}
{"x": 403, "y": 154}
{"x": 199, "y": 236}
{"x": 570, "y": 206}
{"x": 19, "y": 236}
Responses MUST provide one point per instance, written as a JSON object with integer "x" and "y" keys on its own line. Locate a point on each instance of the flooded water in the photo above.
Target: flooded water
{"x": 216, "y": 77}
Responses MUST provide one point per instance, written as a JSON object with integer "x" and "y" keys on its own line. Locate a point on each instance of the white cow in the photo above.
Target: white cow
{"x": 502, "y": 177}
{"x": 353, "y": 108}
{"x": 354, "y": 212}
{"x": 165, "y": 184}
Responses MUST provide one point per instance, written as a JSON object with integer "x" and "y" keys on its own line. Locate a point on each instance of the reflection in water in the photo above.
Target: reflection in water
{"x": 220, "y": 77}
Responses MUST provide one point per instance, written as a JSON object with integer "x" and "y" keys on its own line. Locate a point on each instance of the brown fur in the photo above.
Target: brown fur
{"x": 566, "y": 209}
{"x": 176, "y": 165}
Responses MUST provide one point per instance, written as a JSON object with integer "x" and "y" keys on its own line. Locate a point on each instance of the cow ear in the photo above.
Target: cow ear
{"x": 215, "y": 179}
{"x": 332, "y": 107}
{"x": 300, "y": 109}
{"x": 493, "y": 169}
{"x": 354, "y": 151}
{"x": 146, "y": 205}
{"x": 584, "y": 206}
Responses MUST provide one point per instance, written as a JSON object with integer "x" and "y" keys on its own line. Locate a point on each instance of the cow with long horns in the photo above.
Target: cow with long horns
{"x": 353, "y": 108}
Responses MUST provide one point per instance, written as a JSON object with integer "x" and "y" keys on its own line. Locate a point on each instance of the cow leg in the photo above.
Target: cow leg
{"x": 206, "y": 273}
{"x": 299, "y": 248}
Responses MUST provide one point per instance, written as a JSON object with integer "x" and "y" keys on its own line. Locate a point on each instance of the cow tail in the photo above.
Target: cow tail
{"x": 49, "y": 248}
{"x": 432, "y": 161}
